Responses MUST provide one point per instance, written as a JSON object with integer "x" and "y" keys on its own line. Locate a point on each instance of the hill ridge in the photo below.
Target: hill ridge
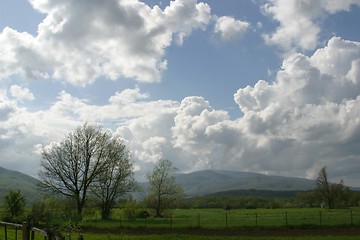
{"x": 198, "y": 183}
{"x": 210, "y": 181}
{"x": 11, "y": 180}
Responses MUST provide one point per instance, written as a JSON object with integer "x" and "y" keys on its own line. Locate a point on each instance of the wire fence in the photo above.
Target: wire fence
{"x": 16, "y": 231}
{"x": 201, "y": 219}
{"x": 237, "y": 219}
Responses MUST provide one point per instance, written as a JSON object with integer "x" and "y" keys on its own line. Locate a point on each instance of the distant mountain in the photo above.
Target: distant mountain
{"x": 281, "y": 194}
{"x": 207, "y": 182}
{"x": 213, "y": 181}
{"x": 14, "y": 181}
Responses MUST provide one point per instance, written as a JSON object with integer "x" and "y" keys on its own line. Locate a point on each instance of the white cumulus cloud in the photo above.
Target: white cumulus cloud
{"x": 307, "y": 117}
{"x": 79, "y": 41}
{"x": 230, "y": 28}
{"x": 298, "y": 21}
{"x": 310, "y": 115}
{"x": 21, "y": 94}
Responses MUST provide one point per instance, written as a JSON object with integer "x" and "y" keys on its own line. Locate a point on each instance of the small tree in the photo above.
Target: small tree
{"x": 329, "y": 192}
{"x": 164, "y": 190}
{"x": 72, "y": 166}
{"x": 115, "y": 181}
{"x": 14, "y": 206}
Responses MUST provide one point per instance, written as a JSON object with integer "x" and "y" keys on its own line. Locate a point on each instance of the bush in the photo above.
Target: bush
{"x": 14, "y": 207}
{"x": 133, "y": 210}
{"x": 142, "y": 214}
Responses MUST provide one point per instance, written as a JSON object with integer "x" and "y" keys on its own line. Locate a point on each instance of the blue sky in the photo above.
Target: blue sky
{"x": 252, "y": 85}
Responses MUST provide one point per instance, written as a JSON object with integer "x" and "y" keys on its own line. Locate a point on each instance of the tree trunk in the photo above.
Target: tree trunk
{"x": 158, "y": 212}
{"x": 105, "y": 212}
{"x": 330, "y": 202}
{"x": 78, "y": 204}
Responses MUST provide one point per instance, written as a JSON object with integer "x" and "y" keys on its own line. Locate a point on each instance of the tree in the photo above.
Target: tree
{"x": 163, "y": 189}
{"x": 14, "y": 205}
{"x": 329, "y": 192}
{"x": 115, "y": 181}
{"x": 73, "y": 165}
{"x": 308, "y": 199}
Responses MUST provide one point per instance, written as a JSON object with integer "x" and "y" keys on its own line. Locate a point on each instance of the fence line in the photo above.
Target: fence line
{"x": 12, "y": 225}
{"x": 281, "y": 219}
{"x": 28, "y": 233}
{"x": 209, "y": 219}
{"x": 234, "y": 219}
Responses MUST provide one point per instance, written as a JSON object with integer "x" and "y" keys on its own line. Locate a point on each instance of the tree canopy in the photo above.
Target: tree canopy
{"x": 81, "y": 161}
{"x": 163, "y": 189}
{"x": 115, "y": 181}
{"x": 14, "y": 206}
{"x": 330, "y": 193}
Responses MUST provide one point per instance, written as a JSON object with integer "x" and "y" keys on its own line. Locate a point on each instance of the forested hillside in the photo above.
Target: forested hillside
{"x": 14, "y": 180}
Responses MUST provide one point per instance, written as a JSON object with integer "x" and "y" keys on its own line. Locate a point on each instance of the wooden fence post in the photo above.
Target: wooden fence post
{"x": 25, "y": 231}
{"x": 5, "y": 229}
{"x": 226, "y": 220}
{"x": 32, "y": 235}
{"x": 171, "y": 221}
{"x": 199, "y": 220}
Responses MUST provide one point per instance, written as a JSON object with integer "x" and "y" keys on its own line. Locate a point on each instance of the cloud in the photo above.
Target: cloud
{"x": 23, "y": 132}
{"x": 230, "y": 28}
{"x": 193, "y": 118}
{"x": 6, "y": 106}
{"x": 309, "y": 116}
{"x": 298, "y": 21}
{"x": 21, "y": 54}
{"x": 21, "y": 94}
{"x": 128, "y": 96}
{"x": 80, "y": 41}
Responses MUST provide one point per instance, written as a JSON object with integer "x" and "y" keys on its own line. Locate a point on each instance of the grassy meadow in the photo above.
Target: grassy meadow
{"x": 199, "y": 224}
{"x": 192, "y": 237}
{"x": 237, "y": 218}
{"x": 167, "y": 236}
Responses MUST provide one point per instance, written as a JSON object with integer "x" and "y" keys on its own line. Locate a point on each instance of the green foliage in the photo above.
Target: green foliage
{"x": 236, "y": 202}
{"x": 14, "y": 206}
{"x": 330, "y": 193}
{"x": 115, "y": 181}
{"x": 90, "y": 157}
{"x": 133, "y": 210}
{"x": 303, "y": 199}
{"x": 163, "y": 190}
{"x": 280, "y": 194}
{"x": 308, "y": 199}
{"x": 55, "y": 213}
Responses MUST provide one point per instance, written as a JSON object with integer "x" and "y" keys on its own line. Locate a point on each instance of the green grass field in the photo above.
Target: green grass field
{"x": 191, "y": 237}
{"x": 167, "y": 236}
{"x": 180, "y": 222}
{"x": 237, "y": 218}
